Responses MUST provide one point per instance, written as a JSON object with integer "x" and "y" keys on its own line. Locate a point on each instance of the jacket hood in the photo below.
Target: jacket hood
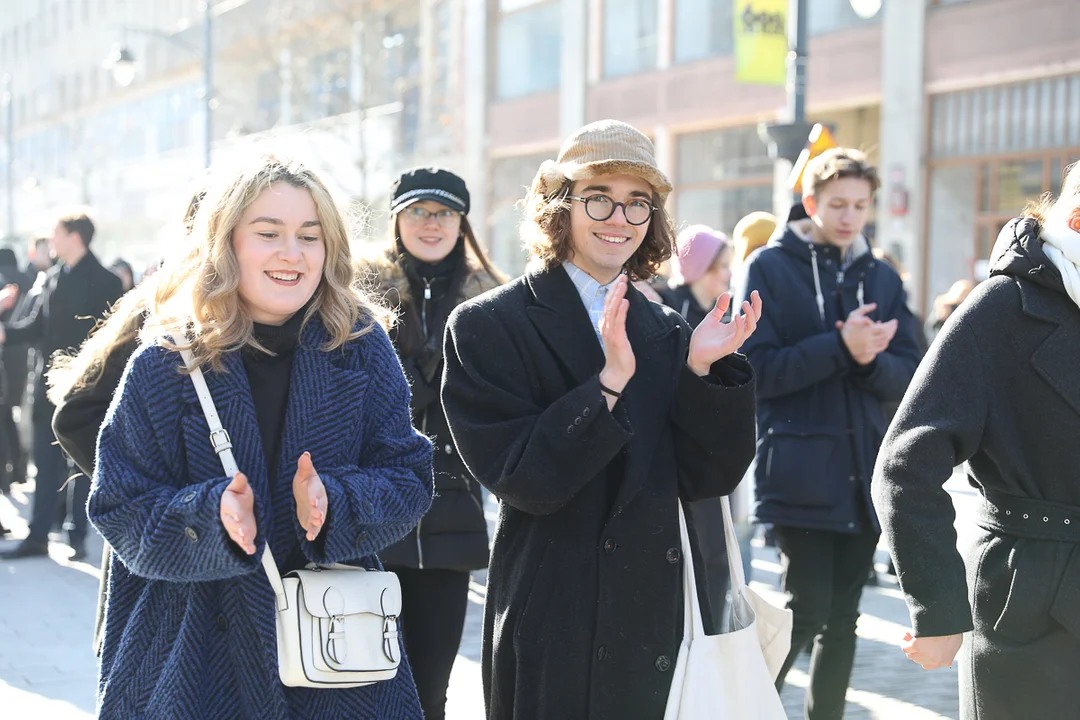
{"x": 795, "y": 238}
{"x": 1018, "y": 253}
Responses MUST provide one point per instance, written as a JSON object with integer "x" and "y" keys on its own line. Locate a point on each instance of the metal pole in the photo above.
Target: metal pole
{"x": 208, "y": 83}
{"x": 796, "y": 61}
{"x": 9, "y": 154}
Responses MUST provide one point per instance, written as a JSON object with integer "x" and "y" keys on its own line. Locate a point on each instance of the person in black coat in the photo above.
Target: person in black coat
{"x": 433, "y": 264}
{"x": 589, "y": 412}
{"x": 77, "y": 292}
{"x": 836, "y": 341}
{"x": 998, "y": 393}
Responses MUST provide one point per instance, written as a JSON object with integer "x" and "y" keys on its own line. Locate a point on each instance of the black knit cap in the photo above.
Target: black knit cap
{"x": 429, "y": 183}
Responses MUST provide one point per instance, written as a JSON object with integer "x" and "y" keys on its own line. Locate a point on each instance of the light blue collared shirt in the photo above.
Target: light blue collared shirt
{"x": 592, "y": 294}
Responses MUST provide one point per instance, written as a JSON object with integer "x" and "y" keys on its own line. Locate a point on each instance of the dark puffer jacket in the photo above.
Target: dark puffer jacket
{"x": 820, "y": 419}
{"x": 453, "y": 534}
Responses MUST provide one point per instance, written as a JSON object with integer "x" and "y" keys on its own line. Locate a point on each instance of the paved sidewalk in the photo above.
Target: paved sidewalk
{"x": 47, "y": 669}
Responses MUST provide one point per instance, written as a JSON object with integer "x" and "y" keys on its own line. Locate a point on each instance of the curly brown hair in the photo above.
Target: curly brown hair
{"x": 545, "y": 232}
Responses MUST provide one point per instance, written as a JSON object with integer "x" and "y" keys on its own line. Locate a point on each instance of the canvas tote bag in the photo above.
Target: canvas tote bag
{"x": 729, "y": 676}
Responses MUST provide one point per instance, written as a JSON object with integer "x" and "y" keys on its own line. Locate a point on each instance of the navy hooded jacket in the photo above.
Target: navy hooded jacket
{"x": 820, "y": 419}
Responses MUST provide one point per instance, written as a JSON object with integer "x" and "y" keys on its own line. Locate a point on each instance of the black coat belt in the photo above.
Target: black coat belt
{"x": 1028, "y": 518}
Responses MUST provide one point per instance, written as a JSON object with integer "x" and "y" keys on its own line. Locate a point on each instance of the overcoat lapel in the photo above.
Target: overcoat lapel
{"x": 648, "y": 394}
{"x": 562, "y": 321}
{"x": 1055, "y": 358}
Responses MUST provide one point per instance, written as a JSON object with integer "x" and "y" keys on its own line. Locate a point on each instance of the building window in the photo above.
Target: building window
{"x": 510, "y": 180}
{"x": 703, "y": 29}
{"x": 1021, "y": 117}
{"x": 529, "y": 51}
{"x": 722, "y": 155}
{"x": 722, "y": 207}
{"x": 721, "y": 176}
{"x": 826, "y": 16}
{"x": 629, "y": 36}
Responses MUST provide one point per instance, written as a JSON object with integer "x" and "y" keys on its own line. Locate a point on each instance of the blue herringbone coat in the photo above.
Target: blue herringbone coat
{"x": 189, "y": 628}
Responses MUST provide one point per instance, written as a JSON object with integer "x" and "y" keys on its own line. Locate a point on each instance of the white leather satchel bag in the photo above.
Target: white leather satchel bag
{"x": 729, "y": 676}
{"x": 336, "y": 625}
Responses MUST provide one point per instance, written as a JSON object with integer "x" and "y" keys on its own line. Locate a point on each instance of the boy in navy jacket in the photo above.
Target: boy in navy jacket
{"x": 835, "y": 341}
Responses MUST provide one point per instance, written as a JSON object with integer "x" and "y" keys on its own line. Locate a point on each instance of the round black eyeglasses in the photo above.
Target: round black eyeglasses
{"x": 601, "y": 207}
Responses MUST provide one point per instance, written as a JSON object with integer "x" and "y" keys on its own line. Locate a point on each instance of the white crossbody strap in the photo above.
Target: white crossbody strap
{"x": 222, "y": 444}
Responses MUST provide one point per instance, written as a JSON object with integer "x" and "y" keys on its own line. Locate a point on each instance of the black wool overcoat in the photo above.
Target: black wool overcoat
{"x": 999, "y": 391}
{"x": 584, "y": 608}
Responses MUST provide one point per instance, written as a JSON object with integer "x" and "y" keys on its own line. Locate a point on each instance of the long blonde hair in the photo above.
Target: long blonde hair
{"x": 197, "y": 294}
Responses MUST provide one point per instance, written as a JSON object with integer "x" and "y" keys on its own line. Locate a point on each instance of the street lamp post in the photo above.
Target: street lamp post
{"x": 787, "y": 139}
{"x": 121, "y": 62}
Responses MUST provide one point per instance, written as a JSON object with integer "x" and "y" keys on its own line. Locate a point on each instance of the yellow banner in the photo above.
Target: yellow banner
{"x": 761, "y": 44}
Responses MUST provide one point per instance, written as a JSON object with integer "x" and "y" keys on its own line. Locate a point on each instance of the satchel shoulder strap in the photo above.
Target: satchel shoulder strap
{"x": 222, "y": 444}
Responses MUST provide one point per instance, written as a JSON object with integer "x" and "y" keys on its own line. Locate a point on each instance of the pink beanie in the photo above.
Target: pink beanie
{"x": 696, "y": 248}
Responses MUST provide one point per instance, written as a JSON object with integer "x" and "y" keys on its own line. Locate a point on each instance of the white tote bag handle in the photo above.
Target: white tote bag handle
{"x": 222, "y": 444}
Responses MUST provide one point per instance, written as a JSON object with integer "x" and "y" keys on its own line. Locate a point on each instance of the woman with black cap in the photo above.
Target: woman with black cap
{"x": 433, "y": 264}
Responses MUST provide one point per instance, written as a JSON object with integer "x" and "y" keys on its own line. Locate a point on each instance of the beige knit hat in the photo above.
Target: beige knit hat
{"x": 602, "y": 148}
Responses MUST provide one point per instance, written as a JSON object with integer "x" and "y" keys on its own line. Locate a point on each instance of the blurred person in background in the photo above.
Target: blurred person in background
{"x": 998, "y": 393}
{"x": 76, "y": 293}
{"x": 81, "y": 386}
{"x": 22, "y": 361}
{"x": 12, "y": 375}
{"x": 123, "y": 271}
{"x": 750, "y": 233}
{"x": 433, "y": 263}
{"x": 700, "y": 272}
{"x": 945, "y": 305}
{"x": 835, "y": 341}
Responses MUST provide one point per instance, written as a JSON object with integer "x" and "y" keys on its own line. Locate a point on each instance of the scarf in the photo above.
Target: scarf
{"x": 1062, "y": 246}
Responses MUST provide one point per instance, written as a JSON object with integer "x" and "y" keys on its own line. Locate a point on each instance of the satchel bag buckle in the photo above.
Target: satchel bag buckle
{"x": 220, "y": 440}
{"x": 335, "y": 639}
{"x": 390, "y": 638}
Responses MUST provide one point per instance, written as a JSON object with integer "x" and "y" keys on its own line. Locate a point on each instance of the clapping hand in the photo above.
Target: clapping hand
{"x": 866, "y": 339}
{"x": 8, "y": 297}
{"x": 715, "y": 339}
{"x": 310, "y": 495}
{"x": 238, "y": 513}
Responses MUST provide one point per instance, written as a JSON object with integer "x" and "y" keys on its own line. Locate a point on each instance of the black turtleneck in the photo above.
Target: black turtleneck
{"x": 269, "y": 377}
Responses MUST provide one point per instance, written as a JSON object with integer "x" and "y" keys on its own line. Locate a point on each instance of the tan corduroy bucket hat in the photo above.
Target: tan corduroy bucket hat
{"x": 602, "y": 148}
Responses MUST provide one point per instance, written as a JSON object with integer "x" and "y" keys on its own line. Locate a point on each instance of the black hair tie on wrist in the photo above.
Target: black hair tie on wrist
{"x": 609, "y": 391}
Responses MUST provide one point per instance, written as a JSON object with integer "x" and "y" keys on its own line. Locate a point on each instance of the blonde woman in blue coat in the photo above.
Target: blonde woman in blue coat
{"x": 308, "y": 385}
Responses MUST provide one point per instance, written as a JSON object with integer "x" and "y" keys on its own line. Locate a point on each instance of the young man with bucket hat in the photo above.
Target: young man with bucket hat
{"x": 590, "y": 412}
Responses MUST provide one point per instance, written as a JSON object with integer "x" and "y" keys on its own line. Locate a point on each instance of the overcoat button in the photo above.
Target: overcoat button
{"x": 191, "y": 534}
{"x": 610, "y": 545}
{"x": 449, "y": 449}
{"x": 222, "y": 622}
{"x": 663, "y": 663}
{"x": 577, "y": 420}
{"x": 672, "y": 555}
{"x": 569, "y": 429}
{"x": 585, "y": 412}
{"x": 369, "y": 508}
{"x": 188, "y": 498}
{"x": 602, "y": 653}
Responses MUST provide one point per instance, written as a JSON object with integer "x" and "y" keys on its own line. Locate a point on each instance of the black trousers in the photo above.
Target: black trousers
{"x": 824, "y": 574}
{"x": 52, "y": 488}
{"x": 433, "y": 604}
